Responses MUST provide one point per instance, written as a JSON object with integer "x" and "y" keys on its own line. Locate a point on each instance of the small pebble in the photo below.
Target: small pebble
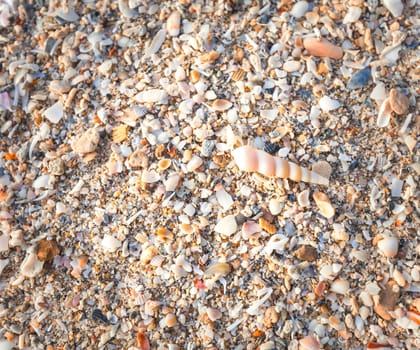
{"x": 87, "y": 142}
{"x": 299, "y": 9}
{"x": 306, "y": 253}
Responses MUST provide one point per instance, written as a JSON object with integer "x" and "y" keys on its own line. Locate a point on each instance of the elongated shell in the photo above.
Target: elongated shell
{"x": 254, "y": 160}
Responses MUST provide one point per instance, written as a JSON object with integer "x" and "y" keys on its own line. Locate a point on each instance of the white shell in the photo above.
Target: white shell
{"x": 379, "y": 92}
{"x": 388, "y": 246}
{"x": 171, "y": 183}
{"x": 42, "y": 181}
{"x": 213, "y": 314}
{"x": 3, "y": 264}
{"x": 303, "y": 198}
{"x": 396, "y": 187}
{"x": 224, "y": 198}
{"x": 152, "y": 96}
{"x": 396, "y": 7}
{"x": 173, "y": 24}
{"x": 352, "y": 15}
{"x": 299, "y": 9}
{"x": 340, "y": 286}
{"x": 327, "y": 104}
{"x": 227, "y": 226}
{"x": 156, "y": 43}
{"x": 110, "y": 243}
{"x": 150, "y": 176}
{"x": 31, "y": 266}
{"x": 275, "y": 206}
{"x": 384, "y": 114}
{"x": 194, "y": 163}
{"x": 55, "y": 112}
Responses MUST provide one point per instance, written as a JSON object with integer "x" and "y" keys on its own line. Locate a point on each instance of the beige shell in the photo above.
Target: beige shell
{"x": 221, "y": 105}
{"x": 388, "y": 246}
{"x": 173, "y": 24}
{"x": 254, "y": 160}
{"x": 309, "y": 343}
{"x": 324, "y": 205}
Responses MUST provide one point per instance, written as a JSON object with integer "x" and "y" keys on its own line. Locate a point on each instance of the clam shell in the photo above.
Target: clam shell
{"x": 340, "y": 286}
{"x": 110, "y": 243}
{"x": 249, "y": 228}
{"x": 219, "y": 268}
{"x": 388, "y": 246}
{"x": 227, "y": 226}
{"x": 213, "y": 314}
{"x": 220, "y": 105}
{"x": 309, "y": 343}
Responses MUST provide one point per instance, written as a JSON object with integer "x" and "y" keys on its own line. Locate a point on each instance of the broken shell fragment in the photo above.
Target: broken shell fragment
{"x": 87, "y": 142}
{"x": 249, "y": 228}
{"x": 396, "y": 7}
{"x": 322, "y": 48}
{"x": 340, "y": 286}
{"x": 220, "y": 268}
{"x": 173, "y": 24}
{"x": 309, "y": 343}
{"x": 388, "y": 246}
{"x": 31, "y": 266}
{"x": 384, "y": 114}
{"x": 399, "y": 102}
{"x": 226, "y": 226}
{"x": 324, "y": 205}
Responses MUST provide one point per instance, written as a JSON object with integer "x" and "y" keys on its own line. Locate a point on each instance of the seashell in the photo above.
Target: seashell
{"x": 388, "y": 246}
{"x": 238, "y": 75}
{"x": 42, "y": 181}
{"x": 270, "y": 114}
{"x": 149, "y": 176}
{"x": 414, "y": 316}
{"x": 105, "y": 67}
{"x": 194, "y": 163}
{"x": 399, "y": 278}
{"x": 119, "y": 133}
{"x": 6, "y": 344}
{"x": 398, "y": 101}
{"x": 147, "y": 254}
{"x": 267, "y": 226}
{"x": 379, "y": 92}
{"x": 172, "y": 182}
{"x": 68, "y": 15}
{"x": 396, "y": 7}
{"x": 253, "y": 160}
{"x": 152, "y": 96}
{"x": 157, "y": 260}
{"x": 218, "y": 269}
{"x": 322, "y": 48}
{"x": 353, "y": 14}
{"x": 327, "y": 104}
{"x": 173, "y": 24}
{"x": 5, "y": 101}
{"x": 378, "y": 346}
{"x": 170, "y": 320}
{"x": 384, "y": 114}
{"x": 396, "y": 187}
{"x": 226, "y": 226}
{"x": 322, "y": 168}
{"x": 360, "y": 79}
{"x": 87, "y": 142}
{"x": 213, "y": 314}
{"x": 110, "y": 243}
{"x": 291, "y": 66}
{"x": 303, "y": 198}
{"x": 276, "y": 242}
{"x": 224, "y": 198}
{"x": 220, "y": 105}
{"x": 150, "y": 306}
{"x": 55, "y": 113}
{"x": 59, "y": 87}
{"x": 299, "y": 9}
{"x": 254, "y": 308}
{"x": 194, "y": 76}
{"x": 142, "y": 341}
{"x": 178, "y": 271}
{"x": 320, "y": 289}
{"x": 156, "y": 43}
{"x": 3, "y": 264}
{"x": 324, "y": 205}
{"x": 275, "y": 206}
{"x": 209, "y": 57}
{"x": 340, "y": 286}
{"x": 309, "y": 343}
{"x": 339, "y": 234}
{"x": 164, "y": 164}
{"x": 249, "y": 228}
{"x": 47, "y": 250}
{"x": 164, "y": 234}
{"x": 31, "y": 266}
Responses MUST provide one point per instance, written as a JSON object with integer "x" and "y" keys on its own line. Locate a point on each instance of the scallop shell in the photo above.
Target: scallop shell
{"x": 119, "y": 133}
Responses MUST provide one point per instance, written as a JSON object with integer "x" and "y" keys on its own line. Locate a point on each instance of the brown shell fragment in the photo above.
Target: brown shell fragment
{"x": 47, "y": 250}
{"x": 322, "y": 48}
{"x": 307, "y": 253}
{"x": 267, "y": 226}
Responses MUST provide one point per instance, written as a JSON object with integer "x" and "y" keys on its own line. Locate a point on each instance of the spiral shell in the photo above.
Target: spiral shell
{"x": 254, "y": 160}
